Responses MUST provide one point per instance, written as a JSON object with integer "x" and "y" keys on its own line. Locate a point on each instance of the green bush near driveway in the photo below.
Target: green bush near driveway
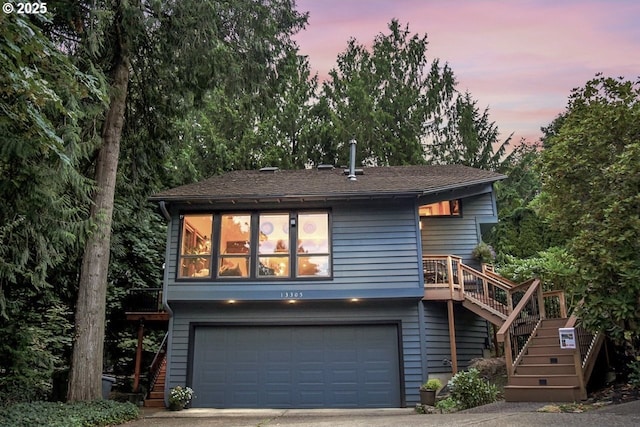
{"x": 54, "y": 414}
{"x": 469, "y": 390}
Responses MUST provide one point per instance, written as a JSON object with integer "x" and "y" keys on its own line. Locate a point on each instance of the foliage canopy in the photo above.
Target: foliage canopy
{"x": 591, "y": 181}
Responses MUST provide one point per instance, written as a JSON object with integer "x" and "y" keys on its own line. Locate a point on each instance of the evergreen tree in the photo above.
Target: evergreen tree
{"x": 43, "y": 98}
{"x": 159, "y": 59}
{"x": 468, "y": 138}
{"x": 387, "y": 99}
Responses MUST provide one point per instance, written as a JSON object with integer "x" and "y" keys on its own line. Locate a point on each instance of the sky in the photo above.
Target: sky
{"x": 519, "y": 58}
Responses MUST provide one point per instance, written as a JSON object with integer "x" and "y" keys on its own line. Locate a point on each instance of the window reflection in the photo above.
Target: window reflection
{"x": 313, "y": 238}
{"x": 274, "y": 245}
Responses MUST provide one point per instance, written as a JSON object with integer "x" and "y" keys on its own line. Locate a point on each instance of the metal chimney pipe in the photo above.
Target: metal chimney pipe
{"x": 352, "y": 160}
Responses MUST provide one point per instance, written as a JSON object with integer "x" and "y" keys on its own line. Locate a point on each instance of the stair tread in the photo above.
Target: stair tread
{"x": 533, "y": 344}
{"x": 543, "y": 386}
{"x": 543, "y": 375}
{"x": 541, "y": 365}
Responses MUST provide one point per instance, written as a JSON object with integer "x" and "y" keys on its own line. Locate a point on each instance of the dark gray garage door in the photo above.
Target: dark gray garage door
{"x": 337, "y": 366}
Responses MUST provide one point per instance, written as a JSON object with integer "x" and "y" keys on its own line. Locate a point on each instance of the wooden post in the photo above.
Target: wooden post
{"x": 485, "y": 284}
{"x": 450, "y": 275}
{"x": 563, "y": 305}
{"x": 460, "y": 278}
{"x": 452, "y": 338}
{"x": 508, "y": 354}
{"x": 577, "y": 361}
{"x": 136, "y": 379}
{"x": 541, "y": 304}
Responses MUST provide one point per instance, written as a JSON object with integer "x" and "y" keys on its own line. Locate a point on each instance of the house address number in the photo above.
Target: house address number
{"x": 292, "y": 294}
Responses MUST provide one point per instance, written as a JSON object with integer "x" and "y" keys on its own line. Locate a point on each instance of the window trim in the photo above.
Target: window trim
{"x": 215, "y": 252}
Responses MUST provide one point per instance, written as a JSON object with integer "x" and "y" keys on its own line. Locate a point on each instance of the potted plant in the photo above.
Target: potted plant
{"x": 428, "y": 391}
{"x": 179, "y": 397}
{"x": 484, "y": 253}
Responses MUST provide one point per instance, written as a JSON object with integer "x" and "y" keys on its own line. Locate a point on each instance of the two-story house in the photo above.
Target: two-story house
{"x": 306, "y": 288}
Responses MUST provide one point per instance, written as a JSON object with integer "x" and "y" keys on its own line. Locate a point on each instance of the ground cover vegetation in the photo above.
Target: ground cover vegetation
{"x": 56, "y": 414}
{"x": 106, "y": 102}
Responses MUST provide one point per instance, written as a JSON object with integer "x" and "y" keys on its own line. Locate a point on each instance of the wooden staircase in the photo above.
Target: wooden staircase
{"x": 538, "y": 368}
{"x": 546, "y": 373}
{"x": 158, "y": 371}
{"x": 155, "y": 399}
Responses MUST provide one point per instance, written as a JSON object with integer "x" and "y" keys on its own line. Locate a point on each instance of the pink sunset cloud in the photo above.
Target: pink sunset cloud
{"x": 519, "y": 58}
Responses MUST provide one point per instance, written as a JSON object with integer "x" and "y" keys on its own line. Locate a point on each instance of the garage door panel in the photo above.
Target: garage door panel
{"x": 296, "y": 366}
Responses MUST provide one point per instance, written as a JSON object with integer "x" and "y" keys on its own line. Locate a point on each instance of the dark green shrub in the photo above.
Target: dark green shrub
{"x": 82, "y": 414}
{"x": 469, "y": 390}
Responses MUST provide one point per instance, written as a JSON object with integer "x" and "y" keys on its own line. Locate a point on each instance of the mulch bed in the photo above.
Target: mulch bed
{"x": 615, "y": 393}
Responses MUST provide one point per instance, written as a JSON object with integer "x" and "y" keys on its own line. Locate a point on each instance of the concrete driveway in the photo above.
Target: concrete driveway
{"x": 496, "y": 415}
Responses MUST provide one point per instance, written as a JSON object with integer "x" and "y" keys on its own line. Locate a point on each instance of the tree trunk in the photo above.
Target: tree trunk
{"x": 85, "y": 380}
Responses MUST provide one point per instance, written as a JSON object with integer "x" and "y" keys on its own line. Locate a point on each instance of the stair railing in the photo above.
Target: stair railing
{"x": 487, "y": 290}
{"x": 587, "y": 349}
{"x": 555, "y": 305}
{"x": 521, "y": 325}
{"x": 442, "y": 272}
{"x": 156, "y": 365}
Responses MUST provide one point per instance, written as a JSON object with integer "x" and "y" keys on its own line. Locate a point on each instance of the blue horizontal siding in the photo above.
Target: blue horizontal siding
{"x": 303, "y": 313}
{"x": 471, "y": 333}
{"x": 457, "y": 236}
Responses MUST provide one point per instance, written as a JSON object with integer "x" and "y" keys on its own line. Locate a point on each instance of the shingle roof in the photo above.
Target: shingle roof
{"x": 329, "y": 184}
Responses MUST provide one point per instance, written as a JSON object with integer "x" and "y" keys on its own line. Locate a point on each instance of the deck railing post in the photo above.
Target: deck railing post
{"x": 461, "y": 278}
{"x": 577, "y": 361}
{"x": 450, "y": 274}
{"x": 541, "y": 304}
{"x": 485, "y": 283}
{"x": 508, "y": 354}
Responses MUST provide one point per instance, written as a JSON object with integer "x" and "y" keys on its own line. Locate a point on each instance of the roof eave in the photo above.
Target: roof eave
{"x": 286, "y": 197}
{"x": 262, "y": 198}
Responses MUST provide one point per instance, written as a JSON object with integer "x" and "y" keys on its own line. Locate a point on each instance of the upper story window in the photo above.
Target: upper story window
{"x": 274, "y": 245}
{"x": 234, "y": 254}
{"x": 195, "y": 250}
{"x": 444, "y": 208}
{"x": 255, "y": 245}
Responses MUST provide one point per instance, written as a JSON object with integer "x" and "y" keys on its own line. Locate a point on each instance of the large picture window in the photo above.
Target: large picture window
{"x": 258, "y": 245}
